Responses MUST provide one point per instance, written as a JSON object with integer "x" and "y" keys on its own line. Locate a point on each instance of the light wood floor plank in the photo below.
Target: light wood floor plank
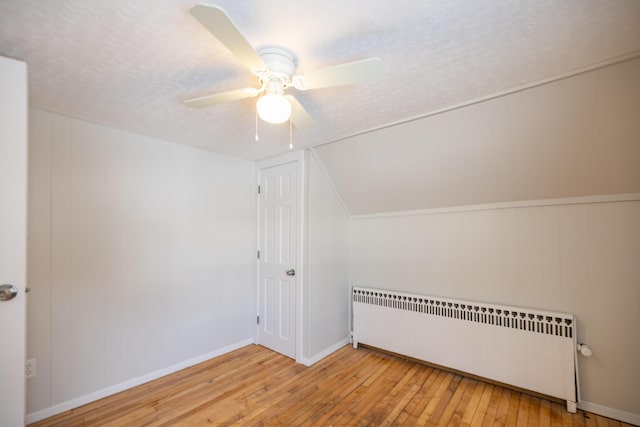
{"x": 384, "y": 406}
{"x": 523, "y": 412}
{"x": 556, "y": 414}
{"x": 354, "y": 398}
{"x": 449, "y": 405}
{"x": 410, "y": 412}
{"x": 420, "y": 414}
{"x": 469, "y": 410}
{"x": 359, "y": 412}
{"x": 401, "y": 396}
{"x": 503, "y": 409}
{"x": 463, "y": 405}
{"x": 512, "y": 412}
{"x": 254, "y": 386}
{"x": 534, "y": 412}
{"x": 328, "y": 392}
{"x": 440, "y": 401}
{"x": 545, "y": 413}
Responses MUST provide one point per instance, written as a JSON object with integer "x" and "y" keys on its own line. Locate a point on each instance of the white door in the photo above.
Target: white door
{"x": 278, "y": 255}
{"x": 13, "y": 217}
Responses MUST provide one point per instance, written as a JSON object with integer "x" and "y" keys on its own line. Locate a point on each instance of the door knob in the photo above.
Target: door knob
{"x": 8, "y": 292}
{"x": 291, "y": 272}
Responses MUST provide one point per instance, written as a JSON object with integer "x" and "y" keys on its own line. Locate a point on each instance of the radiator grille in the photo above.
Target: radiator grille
{"x": 508, "y": 317}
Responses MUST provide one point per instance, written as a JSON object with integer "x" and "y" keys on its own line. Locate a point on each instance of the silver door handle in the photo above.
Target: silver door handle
{"x": 291, "y": 272}
{"x": 8, "y": 292}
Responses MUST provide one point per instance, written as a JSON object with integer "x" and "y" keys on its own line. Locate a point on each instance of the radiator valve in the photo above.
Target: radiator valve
{"x": 585, "y": 350}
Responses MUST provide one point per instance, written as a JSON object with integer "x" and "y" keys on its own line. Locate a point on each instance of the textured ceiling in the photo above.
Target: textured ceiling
{"x": 130, "y": 64}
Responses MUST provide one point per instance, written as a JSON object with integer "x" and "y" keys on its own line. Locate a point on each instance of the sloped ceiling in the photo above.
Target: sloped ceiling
{"x": 130, "y": 64}
{"x": 578, "y": 136}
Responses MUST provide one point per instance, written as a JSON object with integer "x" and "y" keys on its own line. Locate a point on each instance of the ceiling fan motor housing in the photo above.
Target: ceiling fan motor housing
{"x": 280, "y": 63}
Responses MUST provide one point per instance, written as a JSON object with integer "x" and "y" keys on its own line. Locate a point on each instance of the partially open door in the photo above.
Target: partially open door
{"x": 13, "y": 237}
{"x": 278, "y": 255}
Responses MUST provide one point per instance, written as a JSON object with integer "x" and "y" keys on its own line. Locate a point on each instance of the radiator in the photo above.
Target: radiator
{"x": 530, "y": 349}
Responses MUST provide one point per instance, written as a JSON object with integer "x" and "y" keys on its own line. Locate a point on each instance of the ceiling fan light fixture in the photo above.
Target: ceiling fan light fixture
{"x": 273, "y": 108}
{"x": 275, "y": 68}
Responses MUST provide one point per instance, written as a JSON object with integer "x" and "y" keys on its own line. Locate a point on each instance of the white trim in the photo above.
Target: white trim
{"x": 608, "y": 412}
{"x": 303, "y": 203}
{"x": 491, "y": 96}
{"x": 116, "y": 388}
{"x": 331, "y": 184}
{"x": 256, "y": 173}
{"x": 324, "y": 353}
{"x": 304, "y": 293}
{"x": 606, "y": 198}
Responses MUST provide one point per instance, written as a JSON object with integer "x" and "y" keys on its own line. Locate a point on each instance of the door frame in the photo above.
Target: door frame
{"x": 300, "y": 158}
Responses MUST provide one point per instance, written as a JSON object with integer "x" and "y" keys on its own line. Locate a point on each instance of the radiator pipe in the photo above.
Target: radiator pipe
{"x": 585, "y": 350}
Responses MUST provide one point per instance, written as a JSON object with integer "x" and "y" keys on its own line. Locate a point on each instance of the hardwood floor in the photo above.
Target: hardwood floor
{"x": 255, "y": 386}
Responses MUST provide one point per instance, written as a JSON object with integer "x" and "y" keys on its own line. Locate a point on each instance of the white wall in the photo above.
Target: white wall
{"x": 141, "y": 256}
{"x": 577, "y": 258}
{"x": 327, "y": 296}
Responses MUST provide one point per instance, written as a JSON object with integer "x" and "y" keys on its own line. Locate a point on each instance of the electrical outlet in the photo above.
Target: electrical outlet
{"x": 30, "y": 368}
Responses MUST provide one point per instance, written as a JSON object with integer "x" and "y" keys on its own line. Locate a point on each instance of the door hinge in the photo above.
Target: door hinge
{"x": 258, "y": 254}
{"x": 258, "y": 320}
{"x": 258, "y": 189}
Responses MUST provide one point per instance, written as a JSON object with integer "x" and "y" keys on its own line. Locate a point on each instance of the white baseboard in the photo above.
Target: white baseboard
{"x": 116, "y": 388}
{"x": 608, "y": 412}
{"x": 324, "y": 353}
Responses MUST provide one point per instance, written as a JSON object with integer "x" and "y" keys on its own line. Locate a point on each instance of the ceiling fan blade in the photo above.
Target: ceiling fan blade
{"x": 218, "y": 98}
{"x": 364, "y": 71}
{"x": 222, "y": 27}
{"x": 299, "y": 116}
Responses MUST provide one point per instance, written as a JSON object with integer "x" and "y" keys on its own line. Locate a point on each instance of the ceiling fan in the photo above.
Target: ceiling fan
{"x": 275, "y": 69}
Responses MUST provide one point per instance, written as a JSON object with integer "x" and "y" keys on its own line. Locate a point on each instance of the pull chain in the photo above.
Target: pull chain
{"x": 257, "y": 137}
{"x": 290, "y": 134}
